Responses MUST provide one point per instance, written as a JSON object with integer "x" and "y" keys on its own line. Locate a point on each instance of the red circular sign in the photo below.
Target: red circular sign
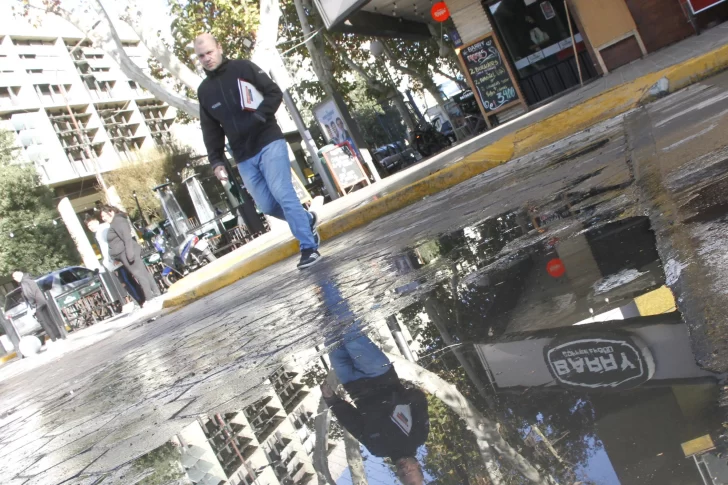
{"x": 556, "y": 268}
{"x": 440, "y": 12}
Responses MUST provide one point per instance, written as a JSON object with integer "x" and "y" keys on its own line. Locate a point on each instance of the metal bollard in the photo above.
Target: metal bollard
{"x": 56, "y": 314}
{"x": 116, "y": 292}
{"x": 11, "y": 332}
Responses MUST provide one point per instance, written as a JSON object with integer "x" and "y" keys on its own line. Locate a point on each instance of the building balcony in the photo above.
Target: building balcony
{"x": 8, "y": 79}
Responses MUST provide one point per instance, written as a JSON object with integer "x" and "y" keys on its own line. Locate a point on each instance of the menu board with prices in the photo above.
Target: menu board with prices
{"x": 489, "y": 75}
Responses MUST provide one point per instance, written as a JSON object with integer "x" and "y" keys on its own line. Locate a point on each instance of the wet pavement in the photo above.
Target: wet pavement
{"x": 515, "y": 329}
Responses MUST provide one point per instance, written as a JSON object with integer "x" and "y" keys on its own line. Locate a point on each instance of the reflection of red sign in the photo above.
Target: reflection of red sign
{"x": 440, "y": 12}
{"x": 700, "y": 5}
{"x": 555, "y": 268}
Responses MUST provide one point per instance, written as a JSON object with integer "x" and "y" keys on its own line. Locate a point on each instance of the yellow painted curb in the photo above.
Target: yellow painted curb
{"x": 613, "y": 102}
{"x": 9, "y": 357}
{"x": 656, "y": 302}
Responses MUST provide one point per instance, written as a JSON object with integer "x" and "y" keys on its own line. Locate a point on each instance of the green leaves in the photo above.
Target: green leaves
{"x": 29, "y": 238}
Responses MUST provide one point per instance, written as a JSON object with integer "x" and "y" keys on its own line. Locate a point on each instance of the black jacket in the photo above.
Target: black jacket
{"x": 120, "y": 240}
{"x": 221, "y": 113}
{"x": 377, "y": 420}
{"x": 31, "y": 292}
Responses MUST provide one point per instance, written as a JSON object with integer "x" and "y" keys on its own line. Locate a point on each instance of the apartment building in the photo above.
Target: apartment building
{"x": 271, "y": 441}
{"x": 74, "y": 112}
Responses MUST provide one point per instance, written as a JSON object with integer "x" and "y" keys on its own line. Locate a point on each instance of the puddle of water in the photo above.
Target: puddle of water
{"x": 537, "y": 346}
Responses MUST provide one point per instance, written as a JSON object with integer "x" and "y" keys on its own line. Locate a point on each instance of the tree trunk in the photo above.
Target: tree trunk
{"x": 354, "y": 460}
{"x": 451, "y": 55}
{"x": 437, "y": 95}
{"x": 386, "y": 92}
{"x": 484, "y": 429}
{"x": 437, "y": 319}
{"x": 318, "y": 57}
{"x": 320, "y": 451}
{"x": 425, "y": 80}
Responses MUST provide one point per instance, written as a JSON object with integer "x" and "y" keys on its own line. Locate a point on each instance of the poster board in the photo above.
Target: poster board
{"x": 333, "y": 124}
{"x": 300, "y": 189}
{"x": 489, "y": 75}
{"x": 345, "y": 167}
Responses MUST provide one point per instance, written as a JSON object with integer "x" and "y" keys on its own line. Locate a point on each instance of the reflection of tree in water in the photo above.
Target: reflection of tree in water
{"x": 161, "y": 466}
{"x": 565, "y": 419}
{"x": 452, "y": 455}
{"x": 313, "y": 377}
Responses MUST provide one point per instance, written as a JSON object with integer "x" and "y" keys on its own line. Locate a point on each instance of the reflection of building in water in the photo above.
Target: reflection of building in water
{"x": 271, "y": 441}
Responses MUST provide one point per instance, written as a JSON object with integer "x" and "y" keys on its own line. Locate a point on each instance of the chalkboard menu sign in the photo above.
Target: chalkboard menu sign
{"x": 489, "y": 75}
{"x": 345, "y": 167}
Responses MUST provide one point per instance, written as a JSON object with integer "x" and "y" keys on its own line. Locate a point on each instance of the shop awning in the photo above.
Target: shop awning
{"x": 379, "y": 18}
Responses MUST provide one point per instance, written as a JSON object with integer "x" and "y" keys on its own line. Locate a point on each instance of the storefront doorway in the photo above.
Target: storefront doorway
{"x": 536, "y": 36}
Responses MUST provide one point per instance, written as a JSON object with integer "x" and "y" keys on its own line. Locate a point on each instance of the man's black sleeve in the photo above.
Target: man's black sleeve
{"x": 348, "y": 416}
{"x": 272, "y": 94}
{"x": 214, "y": 138}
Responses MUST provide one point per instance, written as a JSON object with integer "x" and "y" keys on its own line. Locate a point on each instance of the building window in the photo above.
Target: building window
{"x": 100, "y": 89}
{"x": 53, "y": 93}
{"x": 32, "y": 42}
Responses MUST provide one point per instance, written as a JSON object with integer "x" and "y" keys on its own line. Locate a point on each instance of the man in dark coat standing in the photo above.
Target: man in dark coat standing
{"x": 35, "y": 299}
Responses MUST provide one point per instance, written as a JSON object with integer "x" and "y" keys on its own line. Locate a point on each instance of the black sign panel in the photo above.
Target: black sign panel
{"x": 344, "y": 167}
{"x": 590, "y": 362}
{"x": 489, "y": 75}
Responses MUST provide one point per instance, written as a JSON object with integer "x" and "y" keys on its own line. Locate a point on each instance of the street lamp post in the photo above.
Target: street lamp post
{"x": 139, "y": 208}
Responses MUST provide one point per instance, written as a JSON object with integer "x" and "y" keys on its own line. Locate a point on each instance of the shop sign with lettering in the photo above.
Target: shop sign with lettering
{"x": 596, "y": 362}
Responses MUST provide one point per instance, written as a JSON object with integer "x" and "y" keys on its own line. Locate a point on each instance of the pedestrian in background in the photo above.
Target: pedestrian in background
{"x": 35, "y": 299}
{"x": 124, "y": 248}
{"x": 101, "y": 233}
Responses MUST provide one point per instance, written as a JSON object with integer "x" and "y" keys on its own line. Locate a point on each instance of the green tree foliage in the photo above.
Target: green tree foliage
{"x": 232, "y": 22}
{"x": 452, "y": 454}
{"x": 161, "y": 466}
{"x": 379, "y": 123}
{"x": 29, "y": 238}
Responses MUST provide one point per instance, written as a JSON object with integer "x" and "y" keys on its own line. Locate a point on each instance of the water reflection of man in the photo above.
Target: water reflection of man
{"x": 389, "y": 419}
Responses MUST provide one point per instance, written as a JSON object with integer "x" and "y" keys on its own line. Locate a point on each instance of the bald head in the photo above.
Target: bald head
{"x": 208, "y": 51}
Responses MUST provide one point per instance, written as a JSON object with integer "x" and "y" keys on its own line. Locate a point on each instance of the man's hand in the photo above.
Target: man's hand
{"x": 326, "y": 390}
{"x": 221, "y": 173}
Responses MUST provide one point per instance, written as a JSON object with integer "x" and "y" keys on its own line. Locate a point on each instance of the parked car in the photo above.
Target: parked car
{"x": 78, "y": 291}
{"x": 393, "y": 157}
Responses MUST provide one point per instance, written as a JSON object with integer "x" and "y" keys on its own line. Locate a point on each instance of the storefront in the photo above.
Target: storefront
{"x": 522, "y": 53}
{"x": 535, "y": 35}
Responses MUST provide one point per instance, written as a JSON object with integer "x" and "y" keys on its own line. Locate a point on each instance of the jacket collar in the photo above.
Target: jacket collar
{"x": 220, "y": 69}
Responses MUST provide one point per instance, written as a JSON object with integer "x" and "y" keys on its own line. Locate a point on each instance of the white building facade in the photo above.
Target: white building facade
{"x": 72, "y": 109}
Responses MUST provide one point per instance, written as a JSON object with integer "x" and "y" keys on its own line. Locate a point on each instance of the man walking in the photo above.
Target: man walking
{"x": 35, "y": 299}
{"x": 239, "y": 101}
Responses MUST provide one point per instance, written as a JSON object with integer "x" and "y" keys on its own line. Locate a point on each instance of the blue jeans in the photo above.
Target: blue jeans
{"x": 267, "y": 176}
{"x": 358, "y": 358}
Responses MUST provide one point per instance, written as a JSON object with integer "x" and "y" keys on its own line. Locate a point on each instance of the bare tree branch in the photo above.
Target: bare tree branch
{"x": 103, "y": 35}
{"x": 135, "y": 18}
